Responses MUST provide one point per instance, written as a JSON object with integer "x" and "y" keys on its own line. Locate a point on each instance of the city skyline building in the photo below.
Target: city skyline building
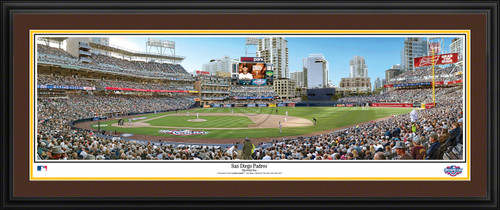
{"x": 223, "y": 64}
{"x": 358, "y": 67}
{"x": 274, "y": 50}
{"x": 315, "y": 68}
{"x": 377, "y": 84}
{"x": 298, "y": 77}
{"x": 413, "y": 47}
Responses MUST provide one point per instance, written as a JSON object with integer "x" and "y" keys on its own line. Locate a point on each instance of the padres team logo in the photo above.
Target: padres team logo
{"x": 453, "y": 170}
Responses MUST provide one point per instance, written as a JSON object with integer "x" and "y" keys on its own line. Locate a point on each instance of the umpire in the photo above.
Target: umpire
{"x": 247, "y": 149}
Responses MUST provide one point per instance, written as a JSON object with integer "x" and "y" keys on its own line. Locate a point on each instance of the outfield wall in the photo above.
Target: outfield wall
{"x": 249, "y": 105}
{"x": 408, "y": 105}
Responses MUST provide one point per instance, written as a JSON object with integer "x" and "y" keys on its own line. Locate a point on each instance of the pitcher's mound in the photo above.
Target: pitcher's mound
{"x": 197, "y": 120}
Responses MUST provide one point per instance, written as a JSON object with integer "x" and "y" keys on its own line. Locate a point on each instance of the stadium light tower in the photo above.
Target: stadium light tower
{"x": 251, "y": 41}
{"x": 161, "y": 46}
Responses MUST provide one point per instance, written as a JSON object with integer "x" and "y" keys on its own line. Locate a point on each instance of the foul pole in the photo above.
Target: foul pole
{"x": 433, "y": 81}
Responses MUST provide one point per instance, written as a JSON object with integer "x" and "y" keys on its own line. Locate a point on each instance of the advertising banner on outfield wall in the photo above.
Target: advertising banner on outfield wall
{"x": 206, "y": 106}
{"x": 216, "y": 105}
{"x": 253, "y": 97}
{"x": 412, "y": 84}
{"x": 291, "y": 104}
{"x": 272, "y": 105}
{"x": 429, "y": 105}
{"x": 455, "y": 82}
{"x": 156, "y": 91}
{"x": 262, "y": 105}
{"x": 280, "y": 105}
{"x": 349, "y": 105}
{"x": 64, "y": 87}
{"x": 392, "y": 105}
{"x": 250, "y": 105}
{"x": 228, "y": 105}
{"x": 438, "y": 60}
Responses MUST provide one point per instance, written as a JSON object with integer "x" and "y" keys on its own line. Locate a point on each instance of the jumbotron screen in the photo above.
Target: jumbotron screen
{"x": 248, "y": 71}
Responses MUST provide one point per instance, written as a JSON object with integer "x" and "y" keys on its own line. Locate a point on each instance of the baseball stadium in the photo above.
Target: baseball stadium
{"x": 97, "y": 101}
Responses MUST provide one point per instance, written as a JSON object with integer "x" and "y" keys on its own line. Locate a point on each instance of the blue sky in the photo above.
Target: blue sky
{"x": 380, "y": 53}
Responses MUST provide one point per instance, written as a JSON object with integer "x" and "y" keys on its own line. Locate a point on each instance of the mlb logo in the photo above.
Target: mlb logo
{"x": 39, "y": 168}
{"x": 453, "y": 170}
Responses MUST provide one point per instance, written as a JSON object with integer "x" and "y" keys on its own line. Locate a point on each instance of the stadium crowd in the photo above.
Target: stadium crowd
{"x": 435, "y": 132}
{"x": 247, "y": 91}
{"x": 101, "y": 84}
{"x": 62, "y": 80}
{"x": 402, "y": 95}
{"x": 425, "y": 75}
{"x": 56, "y": 114}
{"x": 100, "y": 62}
{"x": 147, "y": 86}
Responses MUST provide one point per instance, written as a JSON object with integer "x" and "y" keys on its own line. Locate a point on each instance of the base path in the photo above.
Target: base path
{"x": 259, "y": 120}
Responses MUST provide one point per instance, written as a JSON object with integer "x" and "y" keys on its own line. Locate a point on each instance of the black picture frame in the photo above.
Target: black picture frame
{"x": 10, "y": 8}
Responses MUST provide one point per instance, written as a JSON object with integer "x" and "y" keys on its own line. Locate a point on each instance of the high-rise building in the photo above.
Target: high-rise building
{"x": 285, "y": 88}
{"x": 219, "y": 65}
{"x": 274, "y": 50}
{"x": 298, "y": 77}
{"x": 355, "y": 85}
{"x": 457, "y": 46}
{"x": 397, "y": 66}
{"x": 390, "y": 74}
{"x": 315, "y": 71}
{"x": 377, "y": 84}
{"x": 413, "y": 47}
{"x": 358, "y": 67}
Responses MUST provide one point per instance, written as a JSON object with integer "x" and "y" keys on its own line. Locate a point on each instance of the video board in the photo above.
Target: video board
{"x": 252, "y": 71}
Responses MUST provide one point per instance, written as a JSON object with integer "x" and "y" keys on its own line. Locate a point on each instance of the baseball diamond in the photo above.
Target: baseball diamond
{"x": 233, "y": 126}
{"x": 100, "y": 101}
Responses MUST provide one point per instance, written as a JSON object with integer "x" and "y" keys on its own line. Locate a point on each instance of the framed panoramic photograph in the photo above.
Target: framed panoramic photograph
{"x": 200, "y": 106}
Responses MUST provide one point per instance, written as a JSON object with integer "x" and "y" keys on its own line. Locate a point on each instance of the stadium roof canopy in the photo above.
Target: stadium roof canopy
{"x": 55, "y": 39}
{"x": 131, "y": 53}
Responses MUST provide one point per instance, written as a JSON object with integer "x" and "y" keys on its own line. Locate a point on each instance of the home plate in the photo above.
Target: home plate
{"x": 197, "y": 120}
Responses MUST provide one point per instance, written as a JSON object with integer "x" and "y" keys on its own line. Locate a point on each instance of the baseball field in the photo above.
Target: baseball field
{"x": 254, "y": 122}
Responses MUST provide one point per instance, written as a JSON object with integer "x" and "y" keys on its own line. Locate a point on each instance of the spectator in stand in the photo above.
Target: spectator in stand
{"x": 56, "y": 153}
{"x": 443, "y": 135}
{"x": 433, "y": 151}
{"x": 401, "y": 151}
{"x": 247, "y": 149}
{"x": 418, "y": 152}
{"x": 379, "y": 156}
{"x": 454, "y": 134}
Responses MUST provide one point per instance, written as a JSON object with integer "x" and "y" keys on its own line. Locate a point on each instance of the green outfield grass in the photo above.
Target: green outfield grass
{"x": 327, "y": 118}
{"x": 212, "y": 121}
